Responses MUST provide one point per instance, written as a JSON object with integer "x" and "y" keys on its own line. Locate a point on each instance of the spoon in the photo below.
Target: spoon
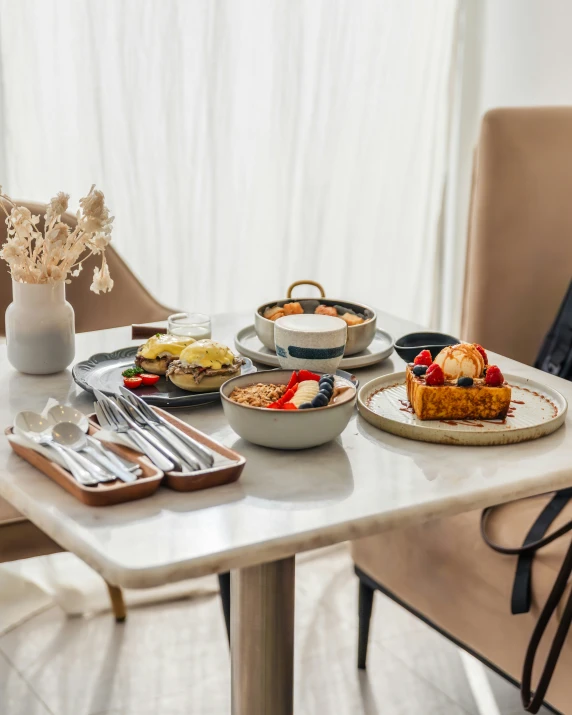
{"x": 36, "y": 428}
{"x": 66, "y": 413}
{"x": 70, "y": 435}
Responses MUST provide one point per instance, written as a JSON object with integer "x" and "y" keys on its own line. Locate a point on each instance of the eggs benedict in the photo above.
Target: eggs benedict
{"x": 159, "y": 351}
{"x": 203, "y": 366}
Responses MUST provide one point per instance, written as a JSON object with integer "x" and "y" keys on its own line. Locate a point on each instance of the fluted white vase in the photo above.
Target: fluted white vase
{"x": 40, "y": 328}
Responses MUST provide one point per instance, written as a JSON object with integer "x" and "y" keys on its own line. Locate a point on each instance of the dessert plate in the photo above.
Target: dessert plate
{"x": 247, "y": 343}
{"x": 103, "y": 372}
{"x": 535, "y": 411}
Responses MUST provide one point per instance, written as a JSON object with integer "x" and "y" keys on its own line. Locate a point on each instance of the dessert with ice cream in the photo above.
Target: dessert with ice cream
{"x": 458, "y": 385}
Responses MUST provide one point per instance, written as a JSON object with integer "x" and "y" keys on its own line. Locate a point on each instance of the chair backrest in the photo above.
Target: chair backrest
{"x": 519, "y": 254}
{"x": 129, "y": 301}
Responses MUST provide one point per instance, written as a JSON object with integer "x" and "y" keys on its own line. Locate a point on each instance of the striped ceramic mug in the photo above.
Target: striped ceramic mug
{"x": 310, "y": 342}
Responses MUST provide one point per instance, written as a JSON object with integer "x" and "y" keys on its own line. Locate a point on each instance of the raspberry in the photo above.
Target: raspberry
{"x": 494, "y": 377}
{"x": 482, "y": 351}
{"x": 434, "y": 375}
{"x": 424, "y": 358}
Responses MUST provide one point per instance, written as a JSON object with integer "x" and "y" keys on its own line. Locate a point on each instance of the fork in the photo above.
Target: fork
{"x": 166, "y": 429}
{"x": 120, "y": 423}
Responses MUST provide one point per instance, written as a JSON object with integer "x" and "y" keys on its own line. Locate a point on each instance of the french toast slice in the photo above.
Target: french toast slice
{"x": 451, "y": 402}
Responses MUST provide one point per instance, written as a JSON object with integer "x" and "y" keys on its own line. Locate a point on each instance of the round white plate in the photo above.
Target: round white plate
{"x": 536, "y": 410}
{"x": 248, "y": 344}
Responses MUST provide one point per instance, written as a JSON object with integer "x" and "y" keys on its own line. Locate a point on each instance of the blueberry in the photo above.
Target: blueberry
{"x": 328, "y": 389}
{"x": 305, "y": 406}
{"x": 419, "y": 370}
{"x": 320, "y": 400}
{"x": 327, "y": 378}
{"x": 465, "y": 381}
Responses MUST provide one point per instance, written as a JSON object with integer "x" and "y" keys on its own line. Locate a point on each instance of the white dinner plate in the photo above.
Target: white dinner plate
{"x": 536, "y": 410}
{"x": 248, "y": 344}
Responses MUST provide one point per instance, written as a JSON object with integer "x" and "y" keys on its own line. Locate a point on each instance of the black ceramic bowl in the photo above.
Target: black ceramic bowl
{"x": 412, "y": 344}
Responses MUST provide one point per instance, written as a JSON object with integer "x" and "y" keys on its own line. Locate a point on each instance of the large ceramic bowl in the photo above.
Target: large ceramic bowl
{"x": 284, "y": 429}
{"x": 359, "y": 336}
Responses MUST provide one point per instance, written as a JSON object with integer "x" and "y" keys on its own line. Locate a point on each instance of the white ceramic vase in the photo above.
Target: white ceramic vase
{"x": 40, "y": 328}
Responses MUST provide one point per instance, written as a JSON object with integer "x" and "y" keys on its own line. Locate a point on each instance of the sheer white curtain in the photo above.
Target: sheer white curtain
{"x": 241, "y": 144}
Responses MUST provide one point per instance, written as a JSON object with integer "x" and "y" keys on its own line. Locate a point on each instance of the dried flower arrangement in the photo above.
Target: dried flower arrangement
{"x": 56, "y": 254}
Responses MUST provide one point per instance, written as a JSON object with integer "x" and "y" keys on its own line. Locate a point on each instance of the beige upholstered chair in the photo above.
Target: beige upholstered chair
{"x": 519, "y": 265}
{"x": 128, "y": 302}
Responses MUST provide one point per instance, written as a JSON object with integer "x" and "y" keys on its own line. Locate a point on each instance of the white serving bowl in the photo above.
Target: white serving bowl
{"x": 284, "y": 429}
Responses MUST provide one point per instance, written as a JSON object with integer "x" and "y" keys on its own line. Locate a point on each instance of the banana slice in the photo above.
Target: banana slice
{"x": 307, "y": 390}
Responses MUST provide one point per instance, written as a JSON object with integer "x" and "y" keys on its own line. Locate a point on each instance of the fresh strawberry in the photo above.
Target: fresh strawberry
{"x": 482, "y": 351}
{"x": 434, "y": 375}
{"x": 494, "y": 377}
{"x": 424, "y": 358}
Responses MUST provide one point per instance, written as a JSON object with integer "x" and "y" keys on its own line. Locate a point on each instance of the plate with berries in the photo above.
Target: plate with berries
{"x": 459, "y": 398}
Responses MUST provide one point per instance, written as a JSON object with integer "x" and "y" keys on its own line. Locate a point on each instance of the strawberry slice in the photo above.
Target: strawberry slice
{"x": 482, "y": 351}
{"x": 494, "y": 377}
{"x": 424, "y": 358}
{"x": 293, "y": 381}
{"x": 434, "y": 375}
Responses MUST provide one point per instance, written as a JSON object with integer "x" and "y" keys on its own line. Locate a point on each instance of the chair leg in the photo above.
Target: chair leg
{"x": 224, "y": 585}
{"x": 365, "y": 607}
{"x": 117, "y": 602}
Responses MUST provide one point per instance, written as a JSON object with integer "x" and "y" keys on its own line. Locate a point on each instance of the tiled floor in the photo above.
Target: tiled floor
{"x": 172, "y": 659}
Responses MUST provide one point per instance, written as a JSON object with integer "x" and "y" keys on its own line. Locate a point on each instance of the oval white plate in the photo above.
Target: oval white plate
{"x": 248, "y": 344}
{"x": 537, "y": 411}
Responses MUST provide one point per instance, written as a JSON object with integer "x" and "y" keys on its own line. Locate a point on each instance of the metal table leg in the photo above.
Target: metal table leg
{"x": 262, "y": 639}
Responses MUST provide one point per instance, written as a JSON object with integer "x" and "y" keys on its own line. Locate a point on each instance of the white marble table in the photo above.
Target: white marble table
{"x": 285, "y": 503}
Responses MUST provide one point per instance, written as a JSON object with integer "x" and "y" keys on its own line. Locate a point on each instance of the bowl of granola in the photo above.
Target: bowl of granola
{"x": 282, "y": 409}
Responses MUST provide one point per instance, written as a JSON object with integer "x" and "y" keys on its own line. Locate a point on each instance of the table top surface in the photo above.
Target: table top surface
{"x": 285, "y": 502}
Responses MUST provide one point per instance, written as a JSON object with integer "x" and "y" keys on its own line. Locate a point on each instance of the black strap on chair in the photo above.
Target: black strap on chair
{"x": 521, "y": 593}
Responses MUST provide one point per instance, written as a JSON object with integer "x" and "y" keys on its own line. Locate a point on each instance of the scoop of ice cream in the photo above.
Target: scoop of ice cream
{"x": 462, "y": 360}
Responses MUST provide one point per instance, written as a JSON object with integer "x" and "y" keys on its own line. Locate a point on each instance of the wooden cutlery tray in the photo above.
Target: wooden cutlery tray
{"x": 216, "y": 476}
{"x": 104, "y": 494}
{"x": 151, "y": 478}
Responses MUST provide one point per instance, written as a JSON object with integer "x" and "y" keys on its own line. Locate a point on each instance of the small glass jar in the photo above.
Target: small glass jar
{"x": 190, "y": 325}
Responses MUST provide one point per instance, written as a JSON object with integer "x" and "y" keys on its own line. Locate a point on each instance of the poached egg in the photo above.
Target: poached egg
{"x": 164, "y": 344}
{"x": 207, "y": 353}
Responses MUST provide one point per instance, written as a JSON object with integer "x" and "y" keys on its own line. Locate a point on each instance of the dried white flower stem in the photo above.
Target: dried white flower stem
{"x": 59, "y": 251}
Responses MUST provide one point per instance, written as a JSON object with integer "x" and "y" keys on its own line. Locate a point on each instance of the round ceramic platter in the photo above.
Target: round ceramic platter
{"x": 103, "y": 372}
{"x": 247, "y": 343}
{"x": 536, "y": 410}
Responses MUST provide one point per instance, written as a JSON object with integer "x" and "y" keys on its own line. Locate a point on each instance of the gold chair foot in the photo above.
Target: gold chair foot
{"x": 117, "y": 602}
